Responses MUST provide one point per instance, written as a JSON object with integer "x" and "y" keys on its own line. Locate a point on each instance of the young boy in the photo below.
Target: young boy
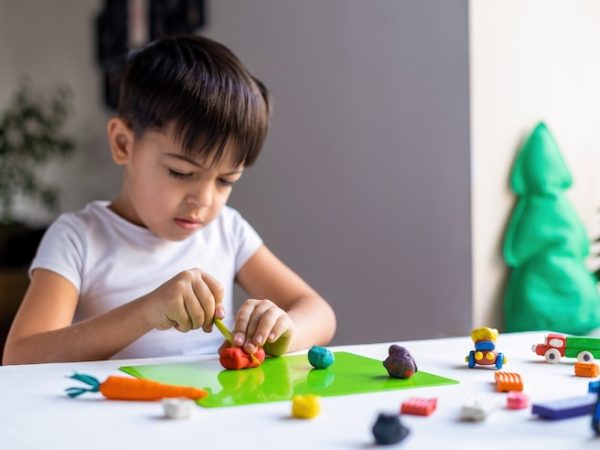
{"x": 133, "y": 277}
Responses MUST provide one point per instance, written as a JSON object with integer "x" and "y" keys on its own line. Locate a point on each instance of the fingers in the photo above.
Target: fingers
{"x": 241, "y": 322}
{"x": 193, "y": 307}
{"x": 204, "y": 298}
{"x": 186, "y": 313}
{"x": 200, "y": 296}
{"x": 217, "y": 292}
{"x": 259, "y": 322}
{"x": 281, "y": 344}
{"x": 262, "y": 322}
{"x": 281, "y": 326}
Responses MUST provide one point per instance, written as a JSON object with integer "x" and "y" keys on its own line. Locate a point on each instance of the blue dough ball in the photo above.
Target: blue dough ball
{"x": 320, "y": 357}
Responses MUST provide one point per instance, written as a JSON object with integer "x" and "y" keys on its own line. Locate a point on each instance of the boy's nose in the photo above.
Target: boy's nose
{"x": 201, "y": 197}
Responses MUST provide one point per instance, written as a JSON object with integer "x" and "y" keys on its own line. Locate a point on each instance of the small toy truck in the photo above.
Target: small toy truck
{"x": 485, "y": 353}
{"x": 557, "y": 345}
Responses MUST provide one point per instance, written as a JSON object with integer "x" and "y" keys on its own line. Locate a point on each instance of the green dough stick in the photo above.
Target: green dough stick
{"x": 224, "y": 331}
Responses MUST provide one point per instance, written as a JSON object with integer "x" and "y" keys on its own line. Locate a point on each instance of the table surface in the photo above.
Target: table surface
{"x": 35, "y": 412}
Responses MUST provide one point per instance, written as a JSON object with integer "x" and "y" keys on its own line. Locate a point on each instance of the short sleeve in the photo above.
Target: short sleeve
{"x": 247, "y": 241}
{"x": 62, "y": 250}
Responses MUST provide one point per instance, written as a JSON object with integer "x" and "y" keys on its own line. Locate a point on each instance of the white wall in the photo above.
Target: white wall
{"x": 529, "y": 60}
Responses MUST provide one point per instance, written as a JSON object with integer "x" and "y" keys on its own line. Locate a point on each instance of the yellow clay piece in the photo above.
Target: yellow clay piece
{"x": 306, "y": 406}
{"x": 484, "y": 333}
{"x": 478, "y": 356}
{"x": 490, "y": 356}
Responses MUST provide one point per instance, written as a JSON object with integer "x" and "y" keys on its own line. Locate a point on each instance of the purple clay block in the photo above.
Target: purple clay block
{"x": 400, "y": 363}
{"x": 565, "y": 408}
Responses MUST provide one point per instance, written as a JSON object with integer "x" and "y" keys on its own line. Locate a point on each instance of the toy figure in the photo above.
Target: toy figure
{"x": 485, "y": 349}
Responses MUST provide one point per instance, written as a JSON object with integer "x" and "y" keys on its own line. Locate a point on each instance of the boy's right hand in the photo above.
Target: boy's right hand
{"x": 189, "y": 300}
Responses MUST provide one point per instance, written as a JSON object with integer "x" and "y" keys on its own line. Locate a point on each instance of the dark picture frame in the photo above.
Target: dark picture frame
{"x": 123, "y": 25}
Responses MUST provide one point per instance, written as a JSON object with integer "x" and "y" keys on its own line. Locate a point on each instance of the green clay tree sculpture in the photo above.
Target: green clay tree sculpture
{"x": 546, "y": 246}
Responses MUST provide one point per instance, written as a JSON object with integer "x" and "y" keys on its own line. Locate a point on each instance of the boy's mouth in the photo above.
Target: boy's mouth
{"x": 188, "y": 224}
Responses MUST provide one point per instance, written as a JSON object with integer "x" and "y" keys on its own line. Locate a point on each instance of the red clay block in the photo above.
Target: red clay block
{"x": 419, "y": 406}
{"x": 235, "y": 358}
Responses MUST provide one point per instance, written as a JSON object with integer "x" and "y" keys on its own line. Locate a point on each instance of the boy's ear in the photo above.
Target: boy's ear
{"x": 121, "y": 140}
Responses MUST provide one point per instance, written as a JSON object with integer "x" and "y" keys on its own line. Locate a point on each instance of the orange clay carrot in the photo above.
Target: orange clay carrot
{"x": 125, "y": 388}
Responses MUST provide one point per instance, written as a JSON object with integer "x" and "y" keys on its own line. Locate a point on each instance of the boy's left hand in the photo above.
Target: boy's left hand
{"x": 261, "y": 323}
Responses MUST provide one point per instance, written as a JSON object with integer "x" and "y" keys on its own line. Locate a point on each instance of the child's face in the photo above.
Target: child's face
{"x": 170, "y": 193}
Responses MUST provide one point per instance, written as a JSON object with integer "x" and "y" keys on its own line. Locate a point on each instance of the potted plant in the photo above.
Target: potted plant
{"x": 31, "y": 134}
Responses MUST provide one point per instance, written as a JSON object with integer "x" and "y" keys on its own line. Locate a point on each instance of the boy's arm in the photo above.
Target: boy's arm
{"x": 264, "y": 276}
{"x": 42, "y": 330}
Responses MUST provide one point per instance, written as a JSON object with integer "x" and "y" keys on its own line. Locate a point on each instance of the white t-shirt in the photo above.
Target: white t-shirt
{"x": 112, "y": 261}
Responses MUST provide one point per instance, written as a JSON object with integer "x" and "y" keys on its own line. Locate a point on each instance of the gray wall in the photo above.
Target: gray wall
{"x": 52, "y": 43}
{"x": 363, "y": 186}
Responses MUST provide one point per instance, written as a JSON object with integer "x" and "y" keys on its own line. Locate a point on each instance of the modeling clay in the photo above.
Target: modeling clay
{"x": 565, "y": 408}
{"x": 419, "y": 406}
{"x": 478, "y": 408}
{"x": 177, "y": 408}
{"x": 400, "y": 363}
{"x": 485, "y": 349}
{"x": 125, "y": 388}
{"x": 586, "y": 369}
{"x": 306, "y": 406}
{"x": 320, "y": 357}
{"x": 596, "y": 416}
{"x": 508, "y": 381}
{"x": 557, "y": 345}
{"x": 235, "y": 358}
{"x": 389, "y": 430}
{"x": 517, "y": 400}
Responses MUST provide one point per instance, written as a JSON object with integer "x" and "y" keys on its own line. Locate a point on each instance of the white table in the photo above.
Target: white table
{"x": 35, "y": 413}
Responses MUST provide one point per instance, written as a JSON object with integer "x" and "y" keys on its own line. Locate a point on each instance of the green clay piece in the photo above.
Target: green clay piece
{"x": 92, "y": 382}
{"x": 546, "y": 245}
{"x": 279, "y": 347}
{"x": 279, "y": 379}
{"x": 320, "y": 357}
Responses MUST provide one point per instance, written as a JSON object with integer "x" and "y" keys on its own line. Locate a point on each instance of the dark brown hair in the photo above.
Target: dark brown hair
{"x": 200, "y": 88}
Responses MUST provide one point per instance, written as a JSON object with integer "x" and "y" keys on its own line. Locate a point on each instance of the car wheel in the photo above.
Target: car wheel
{"x": 552, "y": 355}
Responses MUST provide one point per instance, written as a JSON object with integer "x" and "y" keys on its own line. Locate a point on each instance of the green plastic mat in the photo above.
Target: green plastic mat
{"x": 278, "y": 379}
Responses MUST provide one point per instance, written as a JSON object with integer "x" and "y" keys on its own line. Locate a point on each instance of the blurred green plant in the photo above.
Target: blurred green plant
{"x": 31, "y": 134}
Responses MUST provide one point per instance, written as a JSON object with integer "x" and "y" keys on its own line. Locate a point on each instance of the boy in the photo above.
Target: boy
{"x": 131, "y": 277}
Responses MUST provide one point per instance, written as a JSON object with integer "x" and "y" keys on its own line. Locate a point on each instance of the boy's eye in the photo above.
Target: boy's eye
{"x": 226, "y": 182}
{"x": 180, "y": 175}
